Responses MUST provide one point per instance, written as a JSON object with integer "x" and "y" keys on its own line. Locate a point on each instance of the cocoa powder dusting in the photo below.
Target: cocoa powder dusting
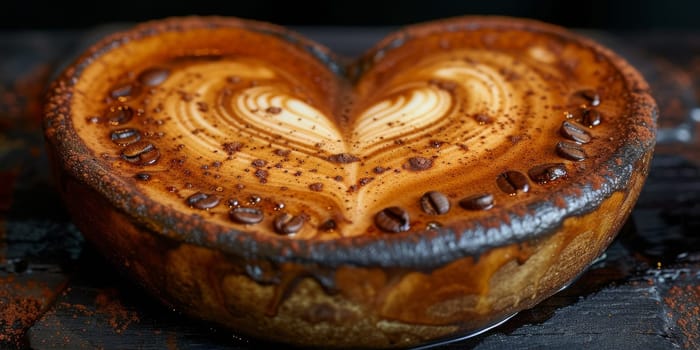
{"x": 21, "y": 304}
{"x": 684, "y": 302}
{"x": 261, "y": 175}
{"x": 343, "y": 158}
{"x": 418, "y": 164}
{"x": 232, "y": 147}
{"x": 119, "y": 318}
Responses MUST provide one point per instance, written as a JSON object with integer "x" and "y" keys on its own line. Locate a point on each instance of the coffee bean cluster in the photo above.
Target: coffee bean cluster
{"x": 396, "y": 219}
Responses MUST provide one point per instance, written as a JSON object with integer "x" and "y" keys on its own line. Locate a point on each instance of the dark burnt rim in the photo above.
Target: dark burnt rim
{"x": 419, "y": 250}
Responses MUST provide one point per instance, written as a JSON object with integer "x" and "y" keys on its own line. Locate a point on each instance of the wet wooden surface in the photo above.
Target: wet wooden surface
{"x": 56, "y": 292}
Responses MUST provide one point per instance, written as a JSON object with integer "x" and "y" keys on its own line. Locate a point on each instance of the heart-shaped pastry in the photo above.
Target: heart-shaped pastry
{"x": 460, "y": 171}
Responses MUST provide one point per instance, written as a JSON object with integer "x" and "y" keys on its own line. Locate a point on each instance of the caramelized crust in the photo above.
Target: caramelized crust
{"x": 458, "y": 172}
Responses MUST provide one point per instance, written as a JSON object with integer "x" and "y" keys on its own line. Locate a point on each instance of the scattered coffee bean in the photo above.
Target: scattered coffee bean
{"x": 142, "y": 176}
{"x": 153, "y": 76}
{"x": 591, "y": 117}
{"x": 418, "y": 163}
{"x": 589, "y": 95}
{"x": 117, "y": 115}
{"x": 570, "y": 150}
{"x": 328, "y": 225}
{"x": 434, "y": 203}
{"x": 393, "y": 219}
{"x": 141, "y": 153}
{"x": 574, "y": 132}
{"x": 287, "y": 224}
{"x": 245, "y": 215}
{"x": 203, "y": 201}
{"x": 512, "y": 182}
{"x": 125, "y": 137}
{"x": 481, "y": 201}
{"x": 545, "y": 173}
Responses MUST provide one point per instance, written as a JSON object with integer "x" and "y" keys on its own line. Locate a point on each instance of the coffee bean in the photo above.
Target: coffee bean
{"x": 201, "y": 200}
{"x": 591, "y": 117}
{"x": 589, "y": 95}
{"x": 435, "y": 203}
{"x": 124, "y": 90}
{"x": 570, "y": 150}
{"x": 117, "y": 115}
{"x": 287, "y": 224}
{"x": 481, "y": 201}
{"x": 512, "y": 182}
{"x": 545, "y": 173}
{"x": 142, "y": 176}
{"x": 392, "y": 219}
{"x": 245, "y": 215}
{"x": 153, "y": 76}
{"x": 574, "y": 132}
{"x": 141, "y": 153}
{"x": 328, "y": 225}
{"x": 125, "y": 137}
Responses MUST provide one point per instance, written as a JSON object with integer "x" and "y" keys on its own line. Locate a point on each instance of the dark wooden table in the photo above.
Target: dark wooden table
{"x": 56, "y": 292}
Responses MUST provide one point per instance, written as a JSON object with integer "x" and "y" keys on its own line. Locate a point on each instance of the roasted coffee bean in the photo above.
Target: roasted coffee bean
{"x": 512, "y": 182}
{"x": 125, "y": 137}
{"x": 244, "y": 215}
{"x": 393, "y": 219}
{"x": 153, "y": 76}
{"x": 328, "y": 225}
{"x": 434, "y": 203}
{"x": 287, "y": 224}
{"x": 570, "y": 150}
{"x": 591, "y": 117}
{"x": 124, "y": 90}
{"x": 142, "y": 176}
{"x": 590, "y": 96}
{"x": 574, "y": 132}
{"x": 141, "y": 153}
{"x": 117, "y": 115}
{"x": 545, "y": 173}
{"x": 201, "y": 200}
{"x": 481, "y": 201}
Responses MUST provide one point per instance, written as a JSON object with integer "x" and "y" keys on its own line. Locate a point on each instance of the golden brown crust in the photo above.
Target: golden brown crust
{"x": 389, "y": 290}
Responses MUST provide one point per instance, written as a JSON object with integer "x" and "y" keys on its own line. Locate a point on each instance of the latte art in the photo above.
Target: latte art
{"x": 221, "y": 129}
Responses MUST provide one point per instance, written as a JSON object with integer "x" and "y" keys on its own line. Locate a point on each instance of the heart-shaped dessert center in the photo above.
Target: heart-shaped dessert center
{"x": 262, "y": 132}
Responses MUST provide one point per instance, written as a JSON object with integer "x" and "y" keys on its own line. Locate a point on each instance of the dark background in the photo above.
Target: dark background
{"x": 597, "y": 14}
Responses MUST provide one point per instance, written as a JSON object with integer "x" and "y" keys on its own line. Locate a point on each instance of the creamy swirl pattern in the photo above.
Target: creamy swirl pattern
{"x": 237, "y": 132}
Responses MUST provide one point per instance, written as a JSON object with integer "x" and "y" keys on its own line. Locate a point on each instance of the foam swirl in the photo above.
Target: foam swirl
{"x": 246, "y": 128}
